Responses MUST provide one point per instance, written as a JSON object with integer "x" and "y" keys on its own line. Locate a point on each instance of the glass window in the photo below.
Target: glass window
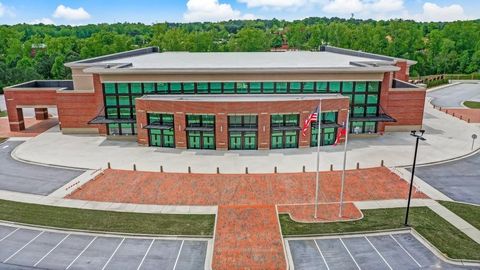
{"x": 109, "y": 88}
{"x": 329, "y": 117}
{"x": 216, "y": 88}
{"x": 235, "y": 120}
{"x": 123, "y": 88}
{"x": 113, "y": 129}
{"x": 308, "y": 87}
{"x": 291, "y": 120}
{"x": 372, "y": 111}
{"x": 359, "y": 99}
{"x": 370, "y": 127}
{"x": 295, "y": 87}
{"x": 242, "y": 88}
{"x": 373, "y": 87}
{"x": 167, "y": 119}
{"x": 277, "y": 120}
{"x": 347, "y": 87}
{"x": 124, "y": 100}
{"x": 126, "y": 113}
{"x": 162, "y": 88}
{"x": 281, "y": 87}
{"x": 126, "y": 129}
{"x": 334, "y": 87}
{"x": 255, "y": 88}
{"x": 175, "y": 88}
{"x": 202, "y": 88}
{"x": 322, "y": 87}
{"x": 360, "y": 87}
{"x": 189, "y": 88}
{"x": 112, "y": 113}
{"x": 153, "y": 118}
{"x": 136, "y": 88}
{"x": 134, "y": 99}
{"x": 250, "y": 120}
{"x": 357, "y": 127}
{"x": 358, "y": 111}
{"x": 229, "y": 88}
{"x": 268, "y": 87}
{"x": 148, "y": 88}
{"x": 111, "y": 100}
{"x": 208, "y": 120}
{"x": 193, "y": 120}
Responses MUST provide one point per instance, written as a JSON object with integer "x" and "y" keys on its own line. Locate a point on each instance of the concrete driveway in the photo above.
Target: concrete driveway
{"x": 28, "y": 178}
{"x": 459, "y": 180}
{"x": 454, "y": 96}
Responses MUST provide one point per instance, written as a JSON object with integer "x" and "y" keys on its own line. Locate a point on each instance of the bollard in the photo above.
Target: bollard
{"x": 161, "y": 168}
{"x": 218, "y": 170}
{"x": 189, "y": 169}
{"x": 331, "y": 167}
{"x": 303, "y": 168}
{"x": 453, "y": 114}
{"x": 358, "y": 165}
{"x": 108, "y": 165}
{"x": 382, "y": 164}
{"x": 461, "y": 117}
{"x": 275, "y": 169}
{"x": 134, "y": 167}
{"x": 246, "y": 170}
{"x": 468, "y": 120}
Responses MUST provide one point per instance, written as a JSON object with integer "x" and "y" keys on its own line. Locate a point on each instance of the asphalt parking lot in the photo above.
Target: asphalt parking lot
{"x": 400, "y": 250}
{"x": 28, "y": 248}
{"x": 459, "y": 180}
{"x": 28, "y": 178}
{"x": 454, "y": 96}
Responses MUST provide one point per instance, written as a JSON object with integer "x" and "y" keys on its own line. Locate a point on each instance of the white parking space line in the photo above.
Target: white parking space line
{"x": 378, "y": 252}
{"x": 113, "y": 254}
{"x": 321, "y": 254}
{"x": 6, "y": 236}
{"x": 146, "y": 253}
{"x": 24, "y": 246}
{"x": 6, "y": 146}
{"x": 78, "y": 256}
{"x": 178, "y": 256}
{"x": 48, "y": 253}
{"x": 349, "y": 253}
{"x": 408, "y": 253}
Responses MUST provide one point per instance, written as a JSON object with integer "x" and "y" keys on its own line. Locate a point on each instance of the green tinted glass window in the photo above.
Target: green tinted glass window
{"x": 123, "y": 88}
{"x": 136, "y": 88}
{"x": 242, "y": 88}
{"x": 350, "y": 97}
{"x": 295, "y": 87}
{"x": 334, "y": 87}
{"x": 308, "y": 87}
{"x": 372, "y": 99}
{"x": 175, "y": 88}
{"x": 329, "y": 117}
{"x": 112, "y": 113}
{"x": 291, "y": 120}
{"x": 134, "y": 99}
{"x": 347, "y": 87}
{"x": 193, "y": 120}
{"x": 126, "y": 129}
{"x": 208, "y": 120}
{"x": 255, "y": 88}
{"x": 250, "y": 120}
{"x": 126, "y": 113}
{"x": 281, "y": 87}
{"x": 277, "y": 120}
{"x": 113, "y": 129}
{"x": 153, "y": 118}
{"x": 373, "y": 87}
{"x": 358, "y": 111}
{"x": 372, "y": 111}
{"x": 124, "y": 100}
{"x": 360, "y": 87}
{"x": 109, "y": 88}
{"x": 188, "y": 88}
{"x": 216, "y": 88}
{"x": 111, "y": 100}
{"x": 357, "y": 127}
{"x": 321, "y": 87}
{"x": 359, "y": 99}
{"x": 148, "y": 88}
{"x": 268, "y": 87}
{"x": 162, "y": 88}
{"x": 370, "y": 127}
{"x": 202, "y": 88}
{"x": 235, "y": 120}
{"x": 167, "y": 119}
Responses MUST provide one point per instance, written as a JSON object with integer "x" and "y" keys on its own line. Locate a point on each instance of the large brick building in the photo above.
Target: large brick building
{"x": 226, "y": 100}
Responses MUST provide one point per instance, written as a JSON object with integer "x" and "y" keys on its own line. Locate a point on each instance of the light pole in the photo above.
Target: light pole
{"x": 419, "y": 137}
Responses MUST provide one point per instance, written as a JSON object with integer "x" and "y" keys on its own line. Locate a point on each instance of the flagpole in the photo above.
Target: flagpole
{"x": 344, "y": 162}
{"x": 319, "y": 119}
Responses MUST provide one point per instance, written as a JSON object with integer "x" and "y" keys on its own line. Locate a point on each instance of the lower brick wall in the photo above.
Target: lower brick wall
{"x": 406, "y": 107}
{"x": 75, "y": 110}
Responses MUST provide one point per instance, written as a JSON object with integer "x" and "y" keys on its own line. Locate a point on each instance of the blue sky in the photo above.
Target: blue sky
{"x": 151, "y": 11}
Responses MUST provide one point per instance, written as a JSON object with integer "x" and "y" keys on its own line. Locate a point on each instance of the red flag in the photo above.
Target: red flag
{"x": 340, "y": 133}
{"x": 312, "y": 117}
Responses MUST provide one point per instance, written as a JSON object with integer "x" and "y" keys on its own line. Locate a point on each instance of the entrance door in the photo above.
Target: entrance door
{"x": 194, "y": 140}
{"x": 208, "y": 140}
{"x": 291, "y": 139}
{"x": 235, "y": 140}
{"x": 250, "y": 139}
{"x": 155, "y": 138}
{"x": 277, "y": 140}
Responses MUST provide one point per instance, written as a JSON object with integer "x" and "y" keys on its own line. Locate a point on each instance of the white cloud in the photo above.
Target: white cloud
{"x": 386, "y": 6}
{"x": 6, "y": 11}
{"x": 344, "y": 6}
{"x": 212, "y": 10}
{"x": 68, "y": 13}
{"x": 274, "y": 3}
{"x": 43, "y": 20}
{"x": 364, "y": 8}
{"x": 434, "y": 12}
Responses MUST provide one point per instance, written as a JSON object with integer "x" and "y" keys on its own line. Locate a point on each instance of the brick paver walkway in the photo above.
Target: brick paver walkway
{"x": 468, "y": 115}
{"x": 32, "y": 127}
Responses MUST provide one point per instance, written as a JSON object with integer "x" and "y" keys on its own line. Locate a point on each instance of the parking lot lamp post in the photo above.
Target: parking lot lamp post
{"x": 418, "y": 138}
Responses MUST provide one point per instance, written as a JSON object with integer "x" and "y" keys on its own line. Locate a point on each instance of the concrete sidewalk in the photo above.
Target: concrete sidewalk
{"x": 444, "y": 141}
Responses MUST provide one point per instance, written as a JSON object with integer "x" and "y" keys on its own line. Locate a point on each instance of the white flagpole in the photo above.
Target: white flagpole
{"x": 344, "y": 162}
{"x": 319, "y": 120}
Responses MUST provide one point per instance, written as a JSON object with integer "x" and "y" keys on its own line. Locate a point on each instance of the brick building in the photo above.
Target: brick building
{"x": 236, "y": 101}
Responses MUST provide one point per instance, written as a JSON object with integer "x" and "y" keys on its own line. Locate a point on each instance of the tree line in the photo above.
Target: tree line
{"x": 39, "y": 51}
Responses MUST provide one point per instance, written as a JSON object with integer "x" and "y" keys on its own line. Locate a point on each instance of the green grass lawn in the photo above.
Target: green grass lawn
{"x": 3, "y": 113}
{"x": 469, "y": 213}
{"x": 93, "y": 220}
{"x": 472, "y": 104}
{"x": 434, "y": 228}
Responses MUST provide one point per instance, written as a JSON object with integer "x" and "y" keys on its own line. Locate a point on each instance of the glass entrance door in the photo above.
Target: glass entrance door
{"x": 291, "y": 139}
{"x": 208, "y": 139}
{"x": 250, "y": 140}
{"x": 235, "y": 141}
{"x": 194, "y": 140}
{"x": 155, "y": 138}
{"x": 242, "y": 140}
{"x": 162, "y": 138}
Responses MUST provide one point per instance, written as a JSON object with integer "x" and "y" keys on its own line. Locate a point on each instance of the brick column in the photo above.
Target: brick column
{"x": 180, "y": 133}
{"x": 384, "y": 90}
{"x": 15, "y": 118}
{"x": 263, "y": 131}
{"x": 41, "y": 113}
{"x": 142, "y": 133}
{"x": 304, "y": 141}
{"x": 221, "y": 131}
